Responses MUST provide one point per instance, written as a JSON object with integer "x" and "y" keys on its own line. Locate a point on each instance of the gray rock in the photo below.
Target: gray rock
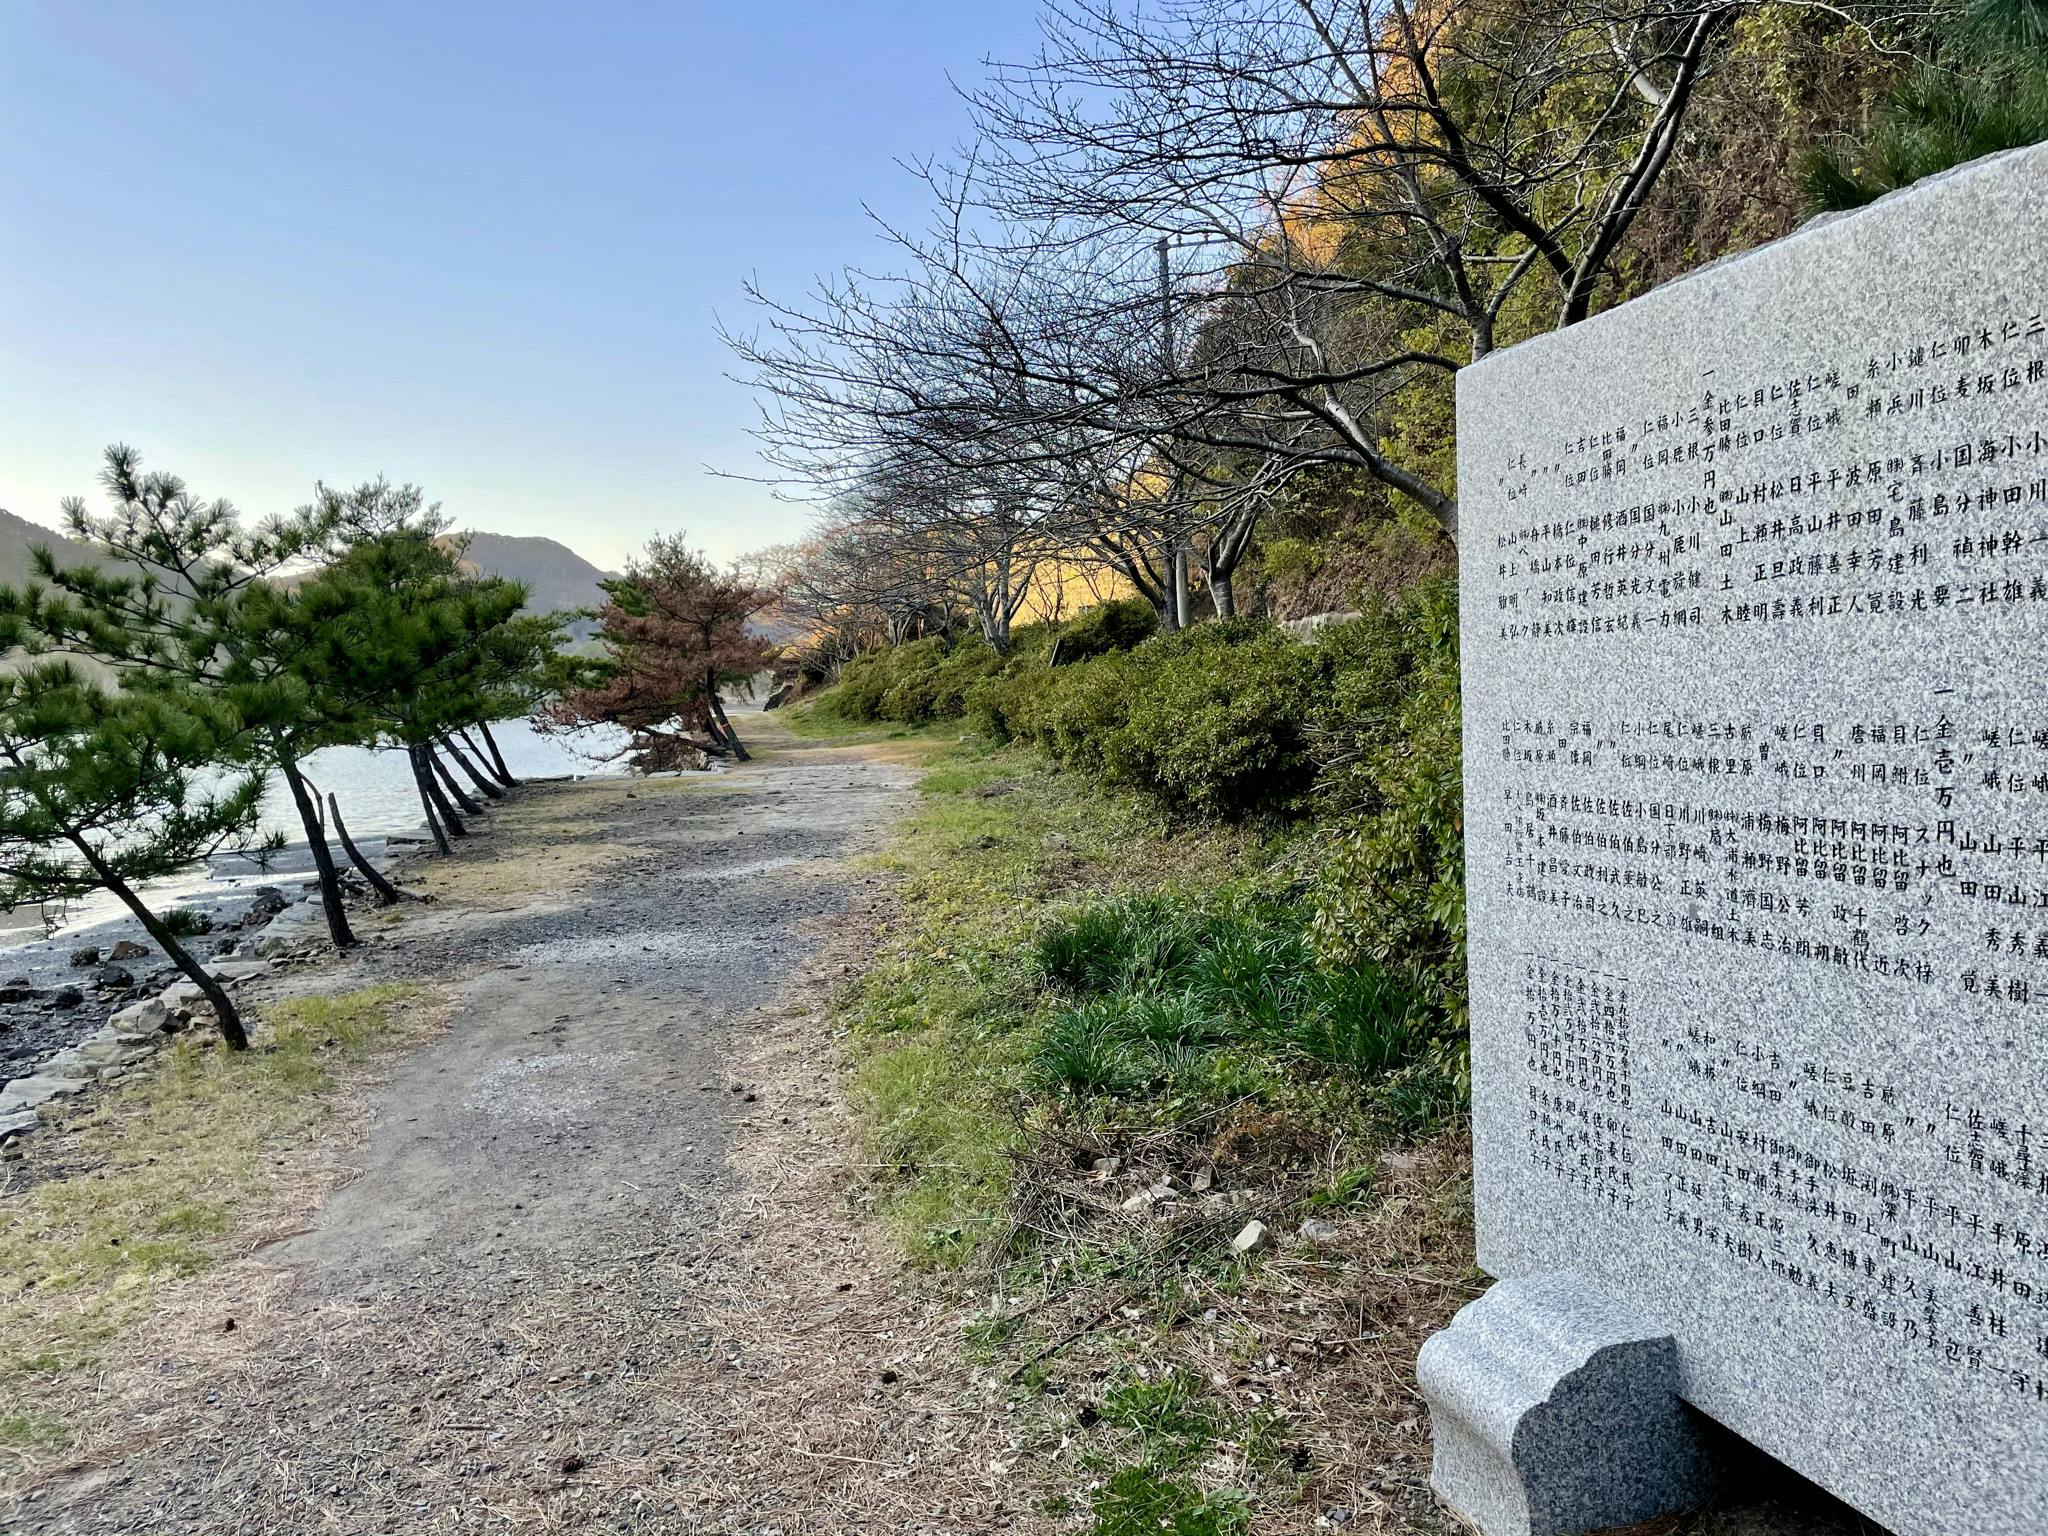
{"x": 18, "y": 992}
{"x": 116, "y": 977}
{"x": 81, "y": 958}
{"x": 1305, "y": 628}
{"x": 1316, "y": 1230}
{"x": 66, "y": 997}
{"x": 140, "y": 1020}
{"x": 1254, "y": 1236}
{"x": 97, "y": 1058}
{"x": 238, "y": 970}
{"x": 1751, "y": 688}
{"x": 1555, "y": 1411}
{"x": 268, "y": 903}
{"x": 18, "y": 1123}
{"x": 37, "y": 1088}
{"x": 128, "y": 949}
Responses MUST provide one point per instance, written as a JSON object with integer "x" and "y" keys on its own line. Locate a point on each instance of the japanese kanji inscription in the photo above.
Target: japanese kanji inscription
{"x": 1755, "y": 648}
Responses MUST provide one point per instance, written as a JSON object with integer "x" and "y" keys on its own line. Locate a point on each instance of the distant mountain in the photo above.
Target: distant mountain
{"x": 18, "y": 535}
{"x": 555, "y": 575}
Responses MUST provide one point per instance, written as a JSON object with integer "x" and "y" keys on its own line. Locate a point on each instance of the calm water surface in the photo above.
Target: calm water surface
{"x": 378, "y": 801}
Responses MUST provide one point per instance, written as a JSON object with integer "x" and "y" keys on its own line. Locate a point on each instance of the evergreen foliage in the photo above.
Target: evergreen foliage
{"x": 676, "y": 635}
{"x": 104, "y": 789}
{"x": 1985, "y": 89}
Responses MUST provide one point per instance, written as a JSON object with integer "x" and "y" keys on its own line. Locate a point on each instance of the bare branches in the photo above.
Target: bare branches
{"x": 1199, "y": 247}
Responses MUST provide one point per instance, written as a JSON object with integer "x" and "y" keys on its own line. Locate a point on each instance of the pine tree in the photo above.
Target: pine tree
{"x": 421, "y": 649}
{"x": 208, "y": 603}
{"x": 1984, "y": 90}
{"x": 100, "y": 790}
{"x": 675, "y": 635}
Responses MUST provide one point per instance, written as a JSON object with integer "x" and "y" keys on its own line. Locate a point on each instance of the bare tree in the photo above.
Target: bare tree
{"x": 1392, "y": 186}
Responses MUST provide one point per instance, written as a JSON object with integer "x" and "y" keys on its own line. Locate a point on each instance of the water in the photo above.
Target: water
{"x": 378, "y": 801}
{"x": 376, "y": 790}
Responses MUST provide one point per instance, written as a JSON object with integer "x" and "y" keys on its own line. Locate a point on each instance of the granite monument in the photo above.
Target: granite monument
{"x": 1755, "y": 645}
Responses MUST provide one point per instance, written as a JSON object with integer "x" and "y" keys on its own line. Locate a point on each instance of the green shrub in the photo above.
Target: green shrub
{"x": 1113, "y": 626}
{"x": 1392, "y": 893}
{"x": 1235, "y": 720}
{"x": 1220, "y": 725}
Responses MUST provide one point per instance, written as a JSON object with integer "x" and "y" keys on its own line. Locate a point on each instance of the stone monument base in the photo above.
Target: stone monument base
{"x": 1554, "y": 1407}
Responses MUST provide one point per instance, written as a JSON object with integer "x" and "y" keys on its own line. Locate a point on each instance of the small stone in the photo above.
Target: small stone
{"x": 1143, "y": 1200}
{"x": 19, "y": 1123}
{"x": 66, "y": 997}
{"x": 1106, "y": 1167}
{"x": 1201, "y": 1180}
{"x": 116, "y": 978}
{"x": 268, "y": 903}
{"x": 1253, "y": 1236}
{"x": 81, "y": 958}
{"x": 128, "y": 949}
{"x": 1317, "y": 1230}
{"x": 140, "y": 1020}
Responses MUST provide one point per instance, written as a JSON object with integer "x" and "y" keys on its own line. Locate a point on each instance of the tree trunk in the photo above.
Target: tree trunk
{"x": 226, "y": 1018}
{"x": 469, "y": 806}
{"x": 484, "y": 785}
{"x": 1223, "y": 589}
{"x": 481, "y": 758}
{"x": 497, "y": 757}
{"x": 323, "y": 857}
{"x": 739, "y": 748}
{"x": 1181, "y": 613}
{"x": 388, "y": 895}
{"x": 430, "y": 797}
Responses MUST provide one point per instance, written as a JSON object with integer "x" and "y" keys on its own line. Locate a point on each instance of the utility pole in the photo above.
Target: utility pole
{"x": 1177, "y": 602}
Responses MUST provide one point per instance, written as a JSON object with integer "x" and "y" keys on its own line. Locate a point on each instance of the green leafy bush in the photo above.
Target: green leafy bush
{"x": 1392, "y": 893}
{"x": 1220, "y": 726}
{"x": 1234, "y": 721}
{"x": 1112, "y": 626}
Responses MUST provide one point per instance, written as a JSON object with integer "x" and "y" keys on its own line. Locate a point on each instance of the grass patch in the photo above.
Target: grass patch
{"x": 178, "y": 1170}
{"x": 1168, "y": 1423}
{"x": 1096, "y": 1042}
{"x": 944, "y": 1023}
{"x": 825, "y": 717}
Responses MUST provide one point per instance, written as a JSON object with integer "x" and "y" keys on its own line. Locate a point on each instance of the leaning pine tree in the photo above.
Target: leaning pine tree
{"x": 421, "y": 649}
{"x": 200, "y": 600}
{"x": 676, "y": 635}
{"x": 99, "y": 791}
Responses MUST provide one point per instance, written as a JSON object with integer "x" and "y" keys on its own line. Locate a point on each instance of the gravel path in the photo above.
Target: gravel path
{"x": 597, "y": 1269}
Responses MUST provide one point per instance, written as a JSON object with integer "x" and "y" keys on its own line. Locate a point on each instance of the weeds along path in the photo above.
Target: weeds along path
{"x": 596, "y": 1269}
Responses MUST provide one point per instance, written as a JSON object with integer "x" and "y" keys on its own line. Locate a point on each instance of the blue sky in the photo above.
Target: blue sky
{"x": 480, "y": 247}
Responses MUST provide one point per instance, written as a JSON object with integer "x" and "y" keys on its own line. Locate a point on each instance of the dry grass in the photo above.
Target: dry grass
{"x": 550, "y": 838}
{"x": 1302, "y": 1358}
{"x": 200, "y": 1159}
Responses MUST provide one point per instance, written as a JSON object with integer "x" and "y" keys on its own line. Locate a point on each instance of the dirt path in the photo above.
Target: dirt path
{"x": 597, "y": 1270}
